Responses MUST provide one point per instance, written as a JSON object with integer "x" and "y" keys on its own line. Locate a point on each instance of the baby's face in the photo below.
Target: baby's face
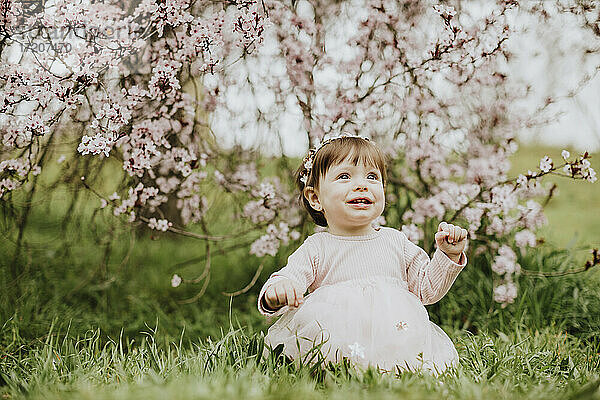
{"x": 351, "y": 197}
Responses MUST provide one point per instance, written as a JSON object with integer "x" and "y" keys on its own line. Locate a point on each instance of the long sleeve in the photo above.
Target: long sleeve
{"x": 429, "y": 279}
{"x": 300, "y": 268}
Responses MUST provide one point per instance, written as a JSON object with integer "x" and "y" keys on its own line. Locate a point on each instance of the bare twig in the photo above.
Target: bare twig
{"x": 199, "y": 294}
{"x": 247, "y": 287}
{"x": 205, "y": 275}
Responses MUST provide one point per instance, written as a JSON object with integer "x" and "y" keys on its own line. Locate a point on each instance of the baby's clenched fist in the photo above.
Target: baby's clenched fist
{"x": 452, "y": 240}
{"x": 284, "y": 292}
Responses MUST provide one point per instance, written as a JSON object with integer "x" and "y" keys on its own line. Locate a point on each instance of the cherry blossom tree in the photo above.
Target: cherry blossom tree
{"x": 149, "y": 85}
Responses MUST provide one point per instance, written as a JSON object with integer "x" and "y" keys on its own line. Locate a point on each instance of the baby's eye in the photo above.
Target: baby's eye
{"x": 344, "y": 175}
{"x": 373, "y": 176}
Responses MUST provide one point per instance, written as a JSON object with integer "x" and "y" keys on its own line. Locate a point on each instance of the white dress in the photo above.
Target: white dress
{"x": 364, "y": 310}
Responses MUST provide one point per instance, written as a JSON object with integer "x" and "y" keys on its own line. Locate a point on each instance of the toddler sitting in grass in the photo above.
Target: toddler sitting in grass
{"x": 367, "y": 287}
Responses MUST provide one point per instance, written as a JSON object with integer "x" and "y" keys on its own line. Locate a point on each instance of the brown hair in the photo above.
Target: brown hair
{"x": 357, "y": 149}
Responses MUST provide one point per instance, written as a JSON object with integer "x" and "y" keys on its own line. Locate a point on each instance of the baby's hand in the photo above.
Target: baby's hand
{"x": 451, "y": 239}
{"x": 284, "y": 292}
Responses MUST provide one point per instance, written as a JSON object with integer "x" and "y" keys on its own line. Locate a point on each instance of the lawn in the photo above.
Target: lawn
{"x": 87, "y": 325}
{"x": 533, "y": 365}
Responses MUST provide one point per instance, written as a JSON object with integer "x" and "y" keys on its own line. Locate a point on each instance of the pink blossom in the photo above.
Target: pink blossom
{"x": 176, "y": 280}
{"x": 249, "y": 24}
{"x": 97, "y": 144}
{"x": 270, "y": 242}
{"x": 532, "y": 215}
{"x": 473, "y": 215}
{"x": 24, "y": 131}
{"x": 193, "y": 208}
{"x": 427, "y": 208}
{"x": 591, "y": 175}
{"x": 280, "y": 231}
{"x": 266, "y": 191}
{"x": 487, "y": 169}
{"x": 525, "y": 238}
{"x": 138, "y": 196}
{"x": 220, "y": 178}
{"x": 266, "y": 244}
{"x": 413, "y": 233}
{"x": 446, "y": 12}
{"x": 7, "y": 185}
{"x": 160, "y": 225}
{"x": 585, "y": 165}
{"x": 245, "y": 176}
{"x": 192, "y": 204}
{"x": 453, "y": 196}
{"x": 164, "y": 80}
{"x": 506, "y": 262}
{"x": 505, "y": 293}
{"x": 504, "y": 198}
{"x": 258, "y": 212}
{"x": 500, "y": 226}
{"x": 167, "y": 185}
{"x": 178, "y": 160}
{"x": 546, "y": 164}
{"x": 20, "y": 166}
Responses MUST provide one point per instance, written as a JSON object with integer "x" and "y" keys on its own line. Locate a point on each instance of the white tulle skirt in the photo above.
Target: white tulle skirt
{"x": 372, "y": 322}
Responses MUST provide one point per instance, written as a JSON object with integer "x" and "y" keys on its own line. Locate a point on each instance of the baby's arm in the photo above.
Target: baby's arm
{"x": 288, "y": 285}
{"x": 431, "y": 279}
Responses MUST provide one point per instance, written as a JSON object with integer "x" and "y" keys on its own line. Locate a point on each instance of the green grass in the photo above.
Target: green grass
{"x": 522, "y": 364}
{"x": 79, "y": 327}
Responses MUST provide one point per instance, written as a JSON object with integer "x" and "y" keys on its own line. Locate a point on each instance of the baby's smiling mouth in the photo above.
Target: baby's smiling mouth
{"x": 360, "y": 200}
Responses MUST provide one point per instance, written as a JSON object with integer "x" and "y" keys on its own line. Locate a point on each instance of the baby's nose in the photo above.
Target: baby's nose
{"x": 360, "y": 186}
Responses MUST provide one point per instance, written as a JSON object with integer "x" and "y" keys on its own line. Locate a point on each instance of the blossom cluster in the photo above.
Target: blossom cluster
{"x": 13, "y": 172}
{"x": 190, "y": 201}
{"x": 579, "y": 168}
{"x": 505, "y": 293}
{"x": 413, "y": 232}
{"x": 140, "y": 118}
{"x": 24, "y": 131}
{"x": 137, "y": 198}
{"x": 159, "y": 225}
{"x": 505, "y": 265}
{"x": 98, "y": 144}
{"x": 269, "y": 243}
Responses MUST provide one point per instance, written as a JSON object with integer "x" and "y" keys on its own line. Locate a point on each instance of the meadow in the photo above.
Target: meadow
{"x": 96, "y": 316}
